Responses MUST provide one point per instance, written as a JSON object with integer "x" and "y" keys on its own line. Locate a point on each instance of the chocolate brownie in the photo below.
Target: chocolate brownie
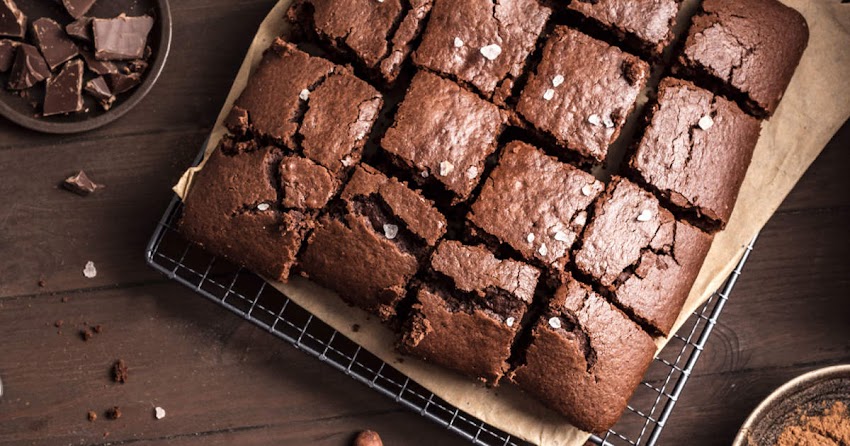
{"x": 535, "y": 204}
{"x": 255, "y": 205}
{"x": 696, "y": 151}
{"x": 637, "y": 251}
{"x": 378, "y": 34}
{"x": 750, "y": 49}
{"x": 482, "y": 43}
{"x": 370, "y": 245}
{"x": 646, "y": 25}
{"x": 443, "y": 134}
{"x": 582, "y": 92}
{"x": 307, "y": 103}
{"x": 585, "y": 359}
{"x": 469, "y": 310}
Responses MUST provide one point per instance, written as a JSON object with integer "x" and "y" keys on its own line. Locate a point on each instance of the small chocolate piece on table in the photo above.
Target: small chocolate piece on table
{"x": 13, "y": 22}
{"x": 469, "y": 310}
{"x": 81, "y": 184}
{"x": 120, "y": 372}
{"x": 122, "y": 37}
{"x": 80, "y": 29}
{"x": 7, "y": 54}
{"x": 78, "y": 8}
{"x": 29, "y": 68}
{"x": 64, "y": 91}
{"x": 53, "y": 42}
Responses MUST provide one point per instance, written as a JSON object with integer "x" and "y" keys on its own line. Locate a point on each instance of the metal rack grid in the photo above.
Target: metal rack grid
{"x": 248, "y": 295}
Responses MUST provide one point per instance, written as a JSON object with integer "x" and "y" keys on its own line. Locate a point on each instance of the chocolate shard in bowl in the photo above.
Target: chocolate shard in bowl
{"x": 29, "y": 68}
{"x": 80, "y": 29}
{"x": 63, "y": 94}
{"x": 120, "y": 82}
{"x": 7, "y": 54}
{"x": 99, "y": 67}
{"x": 78, "y": 8}
{"x": 99, "y": 89}
{"x": 56, "y": 47}
{"x": 13, "y": 22}
{"x": 121, "y": 38}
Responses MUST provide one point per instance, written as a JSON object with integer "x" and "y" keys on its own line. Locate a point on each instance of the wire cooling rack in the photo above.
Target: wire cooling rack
{"x": 248, "y": 295}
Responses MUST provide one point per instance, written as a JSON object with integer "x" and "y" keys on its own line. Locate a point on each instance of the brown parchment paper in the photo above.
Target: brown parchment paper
{"x": 816, "y": 104}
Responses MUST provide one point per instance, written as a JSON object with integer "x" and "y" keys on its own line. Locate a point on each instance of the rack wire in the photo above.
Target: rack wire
{"x": 248, "y": 295}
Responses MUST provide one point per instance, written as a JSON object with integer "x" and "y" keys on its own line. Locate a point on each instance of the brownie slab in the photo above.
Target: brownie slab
{"x": 750, "y": 49}
{"x": 696, "y": 151}
{"x": 585, "y": 359}
{"x": 254, "y": 205}
{"x": 646, "y": 25}
{"x": 378, "y": 34}
{"x": 645, "y": 258}
{"x": 307, "y": 103}
{"x": 443, "y": 133}
{"x": 370, "y": 245}
{"x": 469, "y": 310}
{"x": 582, "y": 92}
{"x": 535, "y": 204}
{"x": 482, "y": 43}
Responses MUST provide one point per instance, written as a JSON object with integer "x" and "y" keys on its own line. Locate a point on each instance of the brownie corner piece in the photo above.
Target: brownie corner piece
{"x": 535, "y": 204}
{"x": 695, "y": 152}
{"x": 469, "y": 310}
{"x": 749, "y": 49}
{"x": 371, "y": 243}
{"x": 646, "y": 259}
{"x": 443, "y": 134}
{"x": 482, "y": 43}
{"x": 582, "y": 92}
{"x": 645, "y": 25}
{"x": 585, "y": 358}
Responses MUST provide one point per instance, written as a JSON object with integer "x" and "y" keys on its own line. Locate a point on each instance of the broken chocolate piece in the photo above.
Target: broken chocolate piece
{"x": 100, "y": 67}
{"x": 64, "y": 91}
{"x": 120, "y": 371}
{"x": 78, "y": 8}
{"x": 7, "y": 54}
{"x": 29, "y": 68}
{"x": 136, "y": 66}
{"x": 54, "y": 44}
{"x": 80, "y": 29}
{"x": 113, "y": 413}
{"x": 81, "y": 184}
{"x": 98, "y": 89}
{"x": 120, "y": 83}
{"x": 13, "y": 22}
{"x": 121, "y": 38}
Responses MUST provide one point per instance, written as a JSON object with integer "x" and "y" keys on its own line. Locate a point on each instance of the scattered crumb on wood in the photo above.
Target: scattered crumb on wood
{"x": 41, "y": 283}
{"x": 98, "y": 328}
{"x": 120, "y": 372}
{"x": 65, "y": 299}
{"x": 113, "y": 413}
{"x": 355, "y": 328}
{"x": 86, "y": 334}
{"x": 58, "y": 324}
{"x": 92, "y": 416}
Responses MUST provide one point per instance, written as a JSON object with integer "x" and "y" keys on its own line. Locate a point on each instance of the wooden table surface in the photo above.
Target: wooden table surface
{"x": 223, "y": 381}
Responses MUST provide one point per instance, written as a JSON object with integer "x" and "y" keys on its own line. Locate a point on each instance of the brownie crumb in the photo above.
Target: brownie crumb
{"x": 86, "y": 334}
{"x": 58, "y": 324}
{"x": 367, "y": 438}
{"x": 120, "y": 372}
{"x": 98, "y": 329}
{"x": 92, "y": 416}
{"x": 41, "y": 283}
{"x": 355, "y": 328}
{"x": 114, "y": 413}
{"x": 65, "y": 299}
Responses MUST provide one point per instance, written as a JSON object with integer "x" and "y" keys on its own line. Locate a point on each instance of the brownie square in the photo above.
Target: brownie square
{"x": 377, "y": 34}
{"x": 582, "y": 92}
{"x": 370, "y": 245}
{"x": 535, "y": 204}
{"x": 469, "y": 310}
{"x": 585, "y": 358}
{"x": 443, "y": 134}
{"x": 639, "y": 253}
{"x": 695, "y": 152}
{"x": 646, "y": 25}
{"x": 255, "y": 205}
{"x": 307, "y": 103}
{"x": 750, "y": 49}
{"x": 482, "y": 43}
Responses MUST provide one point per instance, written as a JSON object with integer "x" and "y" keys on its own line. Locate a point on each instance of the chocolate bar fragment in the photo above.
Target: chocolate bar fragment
{"x": 80, "y": 29}
{"x": 121, "y": 83}
{"x": 78, "y": 8}
{"x": 29, "y": 68}
{"x": 64, "y": 92}
{"x": 54, "y": 44}
{"x": 13, "y": 22}
{"x": 81, "y": 184}
{"x": 98, "y": 89}
{"x": 121, "y": 38}
{"x": 7, "y": 54}
{"x": 99, "y": 67}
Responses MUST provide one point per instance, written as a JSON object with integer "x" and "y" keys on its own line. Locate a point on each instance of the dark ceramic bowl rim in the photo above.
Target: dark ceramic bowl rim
{"x": 30, "y": 122}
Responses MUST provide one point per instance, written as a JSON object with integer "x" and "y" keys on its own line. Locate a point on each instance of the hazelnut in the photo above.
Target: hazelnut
{"x": 367, "y": 438}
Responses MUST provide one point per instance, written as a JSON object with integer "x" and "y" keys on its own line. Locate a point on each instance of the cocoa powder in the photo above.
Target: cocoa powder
{"x": 831, "y": 427}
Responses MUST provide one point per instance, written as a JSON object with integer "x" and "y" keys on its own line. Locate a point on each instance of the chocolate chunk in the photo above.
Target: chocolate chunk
{"x": 136, "y": 66}
{"x": 80, "y": 29}
{"x": 121, "y": 38}
{"x": 54, "y": 44}
{"x": 98, "y": 88}
{"x": 64, "y": 91}
{"x": 100, "y": 67}
{"x": 81, "y": 184}
{"x": 120, "y": 83}
{"x": 7, "y": 54}
{"x": 120, "y": 372}
{"x": 113, "y": 413}
{"x": 78, "y": 8}
{"x": 13, "y": 22}
{"x": 29, "y": 68}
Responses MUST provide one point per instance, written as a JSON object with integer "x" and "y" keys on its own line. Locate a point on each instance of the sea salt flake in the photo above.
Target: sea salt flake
{"x": 263, "y": 207}
{"x": 90, "y": 271}
{"x": 510, "y": 321}
{"x": 557, "y": 80}
{"x": 587, "y": 190}
{"x": 472, "y": 173}
{"x": 608, "y": 122}
{"x": 530, "y": 238}
{"x": 159, "y": 413}
{"x": 446, "y": 168}
{"x": 544, "y": 251}
{"x": 645, "y": 215}
{"x": 458, "y": 42}
{"x": 555, "y": 322}
{"x": 424, "y": 174}
{"x": 304, "y": 95}
{"x": 705, "y": 122}
{"x": 594, "y": 120}
{"x": 581, "y": 218}
{"x": 562, "y": 236}
{"x": 390, "y": 231}
{"x": 549, "y": 94}
{"x": 347, "y": 161}
{"x": 491, "y": 52}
